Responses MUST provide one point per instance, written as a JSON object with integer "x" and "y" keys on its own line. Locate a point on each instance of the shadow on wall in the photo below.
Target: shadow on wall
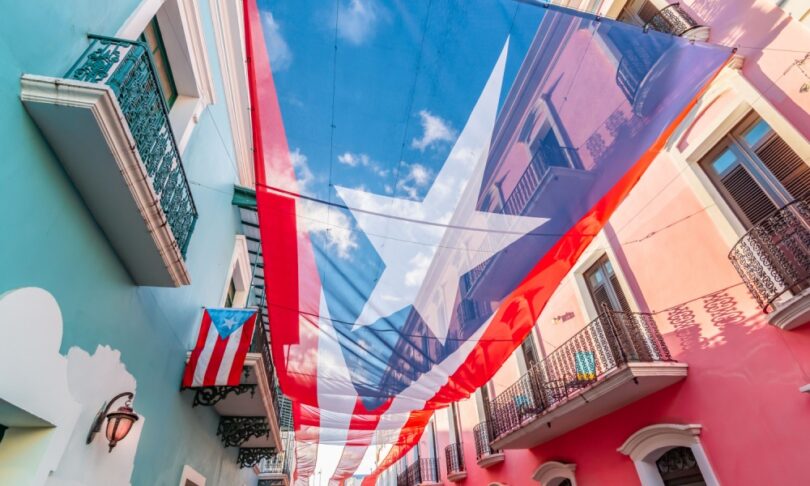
{"x": 772, "y": 45}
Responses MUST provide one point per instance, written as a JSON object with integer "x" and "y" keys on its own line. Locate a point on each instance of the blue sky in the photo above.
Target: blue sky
{"x": 373, "y": 95}
{"x": 402, "y": 82}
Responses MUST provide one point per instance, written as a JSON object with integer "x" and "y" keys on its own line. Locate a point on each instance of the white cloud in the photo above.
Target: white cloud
{"x": 353, "y": 160}
{"x": 277, "y": 48}
{"x": 331, "y": 225}
{"x": 279, "y": 175}
{"x": 362, "y": 160}
{"x": 357, "y": 20}
{"x": 417, "y": 177}
{"x": 434, "y": 130}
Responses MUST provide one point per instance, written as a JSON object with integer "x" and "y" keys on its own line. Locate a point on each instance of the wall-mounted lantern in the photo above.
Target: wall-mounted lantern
{"x": 119, "y": 422}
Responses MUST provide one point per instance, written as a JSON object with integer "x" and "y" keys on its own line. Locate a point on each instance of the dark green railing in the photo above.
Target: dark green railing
{"x": 128, "y": 69}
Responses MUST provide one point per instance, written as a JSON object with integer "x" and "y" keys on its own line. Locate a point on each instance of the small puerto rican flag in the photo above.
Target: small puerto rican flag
{"x": 222, "y": 345}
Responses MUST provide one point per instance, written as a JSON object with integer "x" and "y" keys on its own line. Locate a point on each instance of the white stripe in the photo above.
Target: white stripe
{"x": 205, "y": 355}
{"x": 228, "y": 356}
{"x": 335, "y": 391}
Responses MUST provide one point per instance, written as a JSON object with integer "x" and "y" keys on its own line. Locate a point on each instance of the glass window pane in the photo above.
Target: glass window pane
{"x": 756, "y": 133}
{"x": 725, "y": 162}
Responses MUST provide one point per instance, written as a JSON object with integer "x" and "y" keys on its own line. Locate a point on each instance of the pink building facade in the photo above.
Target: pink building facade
{"x": 677, "y": 350}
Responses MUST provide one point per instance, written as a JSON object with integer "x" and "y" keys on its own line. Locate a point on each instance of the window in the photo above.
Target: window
{"x": 554, "y": 473}
{"x": 229, "y": 298}
{"x": 455, "y": 422}
{"x": 154, "y": 40}
{"x": 604, "y": 287}
{"x": 669, "y": 455}
{"x": 529, "y": 352}
{"x": 678, "y": 467}
{"x": 756, "y": 171}
{"x": 191, "y": 477}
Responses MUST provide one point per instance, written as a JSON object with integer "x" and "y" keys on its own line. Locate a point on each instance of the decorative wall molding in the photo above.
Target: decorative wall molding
{"x": 227, "y": 17}
{"x": 552, "y": 473}
{"x": 649, "y": 443}
{"x": 653, "y": 437}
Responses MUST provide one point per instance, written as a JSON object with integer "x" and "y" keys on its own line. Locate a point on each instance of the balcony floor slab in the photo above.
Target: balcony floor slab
{"x": 86, "y": 128}
{"x": 617, "y": 389}
{"x": 490, "y": 460}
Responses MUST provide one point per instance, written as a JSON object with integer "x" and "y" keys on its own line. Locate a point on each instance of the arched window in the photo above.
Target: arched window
{"x": 669, "y": 455}
{"x": 678, "y": 467}
{"x": 553, "y": 473}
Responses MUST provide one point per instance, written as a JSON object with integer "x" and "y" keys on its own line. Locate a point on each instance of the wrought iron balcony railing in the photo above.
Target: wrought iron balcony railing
{"x": 608, "y": 342}
{"x": 128, "y": 69}
{"x": 425, "y": 470}
{"x": 773, "y": 258}
{"x": 481, "y": 432}
{"x": 278, "y": 464}
{"x": 672, "y": 19}
{"x": 454, "y": 457}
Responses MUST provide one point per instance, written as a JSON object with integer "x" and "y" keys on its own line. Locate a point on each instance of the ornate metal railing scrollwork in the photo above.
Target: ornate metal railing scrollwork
{"x": 235, "y": 431}
{"x": 209, "y": 396}
{"x": 672, "y": 19}
{"x": 482, "y": 440}
{"x": 609, "y": 341}
{"x": 454, "y": 457}
{"x": 251, "y": 456}
{"x": 773, "y": 258}
{"x": 128, "y": 69}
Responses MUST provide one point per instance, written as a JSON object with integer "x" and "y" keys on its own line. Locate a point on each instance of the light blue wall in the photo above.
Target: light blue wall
{"x": 50, "y": 240}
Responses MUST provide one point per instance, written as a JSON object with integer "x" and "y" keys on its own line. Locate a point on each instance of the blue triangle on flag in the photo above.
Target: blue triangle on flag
{"x": 228, "y": 320}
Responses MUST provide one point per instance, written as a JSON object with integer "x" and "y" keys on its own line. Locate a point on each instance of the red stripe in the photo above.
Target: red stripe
{"x": 202, "y": 336}
{"x": 210, "y": 378}
{"x": 235, "y": 375}
{"x": 286, "y": 295}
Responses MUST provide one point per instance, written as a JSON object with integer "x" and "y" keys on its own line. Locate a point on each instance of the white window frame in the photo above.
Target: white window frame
{"x": 746, "y": 99}
{"x": 650, "y": 443}
{"x": 181, "y": 28}
{"x": 240, "y": 272}
{"x": 552, "y": 473}
{"x": 190, "y": 474}
{"x": 599, "y": 247}
{"x": 229, "y": 33}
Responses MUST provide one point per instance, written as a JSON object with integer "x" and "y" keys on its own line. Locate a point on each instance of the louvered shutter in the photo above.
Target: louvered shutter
{"x": 617, "y": 289}
{"x": 647, "y": 11}
{"x": 786, "y": 165}
{"x": 749, "y": 198}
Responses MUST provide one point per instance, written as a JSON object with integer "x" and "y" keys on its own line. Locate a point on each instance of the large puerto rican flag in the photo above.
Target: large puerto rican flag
{"x": 438, "y": 169}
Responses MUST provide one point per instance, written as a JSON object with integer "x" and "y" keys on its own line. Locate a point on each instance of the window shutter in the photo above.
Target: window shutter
{"x": 747, "y": 195}
{"x": 600, "y": 297}
{"x": 786, "y": 165}
{"x": 647, "y": 11}
{"x": 614, "y": 282}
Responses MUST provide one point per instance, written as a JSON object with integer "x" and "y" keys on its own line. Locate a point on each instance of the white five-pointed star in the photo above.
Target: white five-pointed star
{"x": 423, "y": 262}
{"x": 229, "y": 322}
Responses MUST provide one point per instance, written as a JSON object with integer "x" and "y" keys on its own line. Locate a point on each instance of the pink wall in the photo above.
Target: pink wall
{"x": 744, "y": 374}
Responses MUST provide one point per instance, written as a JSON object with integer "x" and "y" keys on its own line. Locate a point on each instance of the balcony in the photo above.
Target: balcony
{"x": 773, "y": 259}
{"x": 615, "y": 360}
{"x": 454, "y": 457}
{"x": 108, "y": 124}
{"x": 423, "y": 472}
{"x": 485, "y": 455}
{"x": 673, "y": 20}
{"x": 276, "y": 470}
{"x": 253, "y": 414}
